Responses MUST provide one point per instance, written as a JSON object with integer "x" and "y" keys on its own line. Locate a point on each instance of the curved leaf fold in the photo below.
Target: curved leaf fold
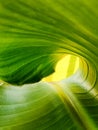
{"x": 34, "y": 36}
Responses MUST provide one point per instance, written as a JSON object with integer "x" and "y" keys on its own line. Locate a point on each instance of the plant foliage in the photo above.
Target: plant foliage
{"x": 34, "y": 36}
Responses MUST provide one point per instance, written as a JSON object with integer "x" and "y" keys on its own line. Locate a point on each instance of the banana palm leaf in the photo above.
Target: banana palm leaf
{"x": 34, "y": 36}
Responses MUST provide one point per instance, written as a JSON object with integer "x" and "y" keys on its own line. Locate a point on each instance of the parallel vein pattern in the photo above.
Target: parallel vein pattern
{"x": 34, "y": 36}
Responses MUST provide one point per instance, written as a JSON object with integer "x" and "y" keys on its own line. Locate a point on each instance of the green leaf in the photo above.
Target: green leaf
{"x": 30, "y": 107}
{"x": 48, "y": 106}
{"x": 34, "y": 36}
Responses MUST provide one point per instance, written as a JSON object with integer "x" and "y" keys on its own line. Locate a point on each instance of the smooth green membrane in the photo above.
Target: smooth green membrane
{"x": 34, "y": 37}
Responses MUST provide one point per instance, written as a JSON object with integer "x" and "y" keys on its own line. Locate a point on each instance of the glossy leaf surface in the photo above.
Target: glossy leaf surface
{"x": 34, "y": 36}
